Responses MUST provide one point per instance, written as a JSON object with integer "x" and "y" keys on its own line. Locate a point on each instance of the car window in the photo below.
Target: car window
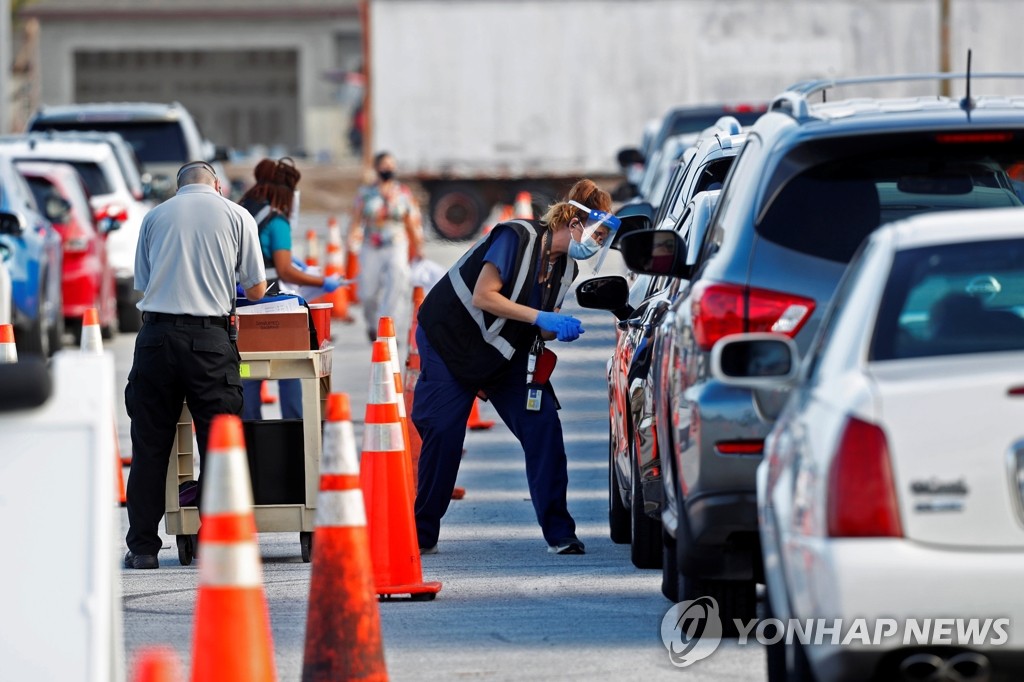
{"x": 41, "y": 189}
{"x": 827, "y": 209}
{"x": 952, "y": 299}
{"x": 829, "y": 322}
{"x": 93, "y": 176}
{"x": 745, "y": 170}
{"x": 153, "y": 141}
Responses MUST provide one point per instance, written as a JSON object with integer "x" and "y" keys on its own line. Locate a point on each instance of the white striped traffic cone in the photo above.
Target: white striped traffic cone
{"x": 8, "y": 349}
{"x": 343, "y": 639}
{"x": 92, "y": 339}
{"x": 232, "y": 639}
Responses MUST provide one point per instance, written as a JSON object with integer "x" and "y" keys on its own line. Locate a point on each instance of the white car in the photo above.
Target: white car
{"x": 115, "y": 193}
{"x": 892, "y": 487}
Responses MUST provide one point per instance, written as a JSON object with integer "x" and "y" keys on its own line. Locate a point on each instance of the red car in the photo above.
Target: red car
{"x": 88, "y": 280}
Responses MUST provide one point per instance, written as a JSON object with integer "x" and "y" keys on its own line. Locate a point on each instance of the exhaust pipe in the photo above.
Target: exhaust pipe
{"x": 962, "y": 667}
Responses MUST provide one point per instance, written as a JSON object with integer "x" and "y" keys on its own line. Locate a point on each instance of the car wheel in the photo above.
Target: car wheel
{"x": 618, "y": 514}
{"x": 32, "y": 339}
{"x": 798, "y": 669}
{"x": 669, "y": 567}
{"x": 646, "y": 546}
{"x": 55, "y": 333}
{"x": 775, "y": 654}
{"x": 737, "y": 599}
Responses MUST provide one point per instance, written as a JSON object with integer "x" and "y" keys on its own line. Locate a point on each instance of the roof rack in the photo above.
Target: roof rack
{"x": 794, "y": 99}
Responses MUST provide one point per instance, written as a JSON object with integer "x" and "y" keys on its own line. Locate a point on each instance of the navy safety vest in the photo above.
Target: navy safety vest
{"x": 476, "y": 346}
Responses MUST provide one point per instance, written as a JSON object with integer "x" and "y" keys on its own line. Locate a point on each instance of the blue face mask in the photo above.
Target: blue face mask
{"x": 583, "y": 250}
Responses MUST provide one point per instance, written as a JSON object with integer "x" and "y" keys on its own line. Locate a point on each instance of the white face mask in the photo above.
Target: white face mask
{"x": 583, "y": 250}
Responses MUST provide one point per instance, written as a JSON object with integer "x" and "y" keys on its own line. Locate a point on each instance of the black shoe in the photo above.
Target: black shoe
{"x": 133, "y": 560}
{"x": 567, "y": 546}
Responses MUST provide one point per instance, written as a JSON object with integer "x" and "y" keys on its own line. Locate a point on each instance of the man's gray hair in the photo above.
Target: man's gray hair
{"x": 197, "y": 172}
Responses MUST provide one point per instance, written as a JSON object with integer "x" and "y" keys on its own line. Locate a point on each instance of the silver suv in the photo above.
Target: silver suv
{"x": 164, "y": 136}
{"x": 812, "y": 180}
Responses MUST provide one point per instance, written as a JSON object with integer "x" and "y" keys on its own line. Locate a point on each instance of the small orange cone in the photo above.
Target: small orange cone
{"x": 8, "y": 349}
{"x": 351, "y": 273}
{"x": 386, "y": 332}
{"x": 232, "y": 639}
{"x": 335, "y": 267}
{"x": 409, "y": 381}
{"x": 156, "y": 664}
{"x": 384, "y": 475}
{"x": 92, "y": 342}
{"x": 524, "y": 206}
{"x": 92, "y": 339}
{"x": 266, "y": 397}
{"x": 312, "y": 249}
{"x": 475, "y": 423}
{"x": 343, "y": 639}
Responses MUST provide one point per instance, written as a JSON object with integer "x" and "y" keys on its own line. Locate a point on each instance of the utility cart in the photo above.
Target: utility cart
{"x": 289, "y": 490}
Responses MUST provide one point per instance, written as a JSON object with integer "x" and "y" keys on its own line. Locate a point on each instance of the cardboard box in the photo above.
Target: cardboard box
{"x": 273, "y": 332}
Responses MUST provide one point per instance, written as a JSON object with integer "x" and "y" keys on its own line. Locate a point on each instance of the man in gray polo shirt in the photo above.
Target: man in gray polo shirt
{"x": 190, "y": 248}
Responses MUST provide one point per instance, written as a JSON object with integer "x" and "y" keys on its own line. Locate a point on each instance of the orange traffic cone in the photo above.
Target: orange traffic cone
{"x": 384, "y": 475}
{"x": 524, "y": 206}
{"x": 8, "y": 349}
{"x": 156, "y": 664}
{"x": 266, "y": 397}
{"x": 336, "y": 266}
{"x": 386, "y": 332}
{"x": 343, "y": 639}
{"x": 232, "y": 639}
{"x": 312, "y": 249}
{"x": 92, "y": 342}
{"x": 475, "y": 423}
{"x": 92, "y": 339}
{"x": 351, "y": 273}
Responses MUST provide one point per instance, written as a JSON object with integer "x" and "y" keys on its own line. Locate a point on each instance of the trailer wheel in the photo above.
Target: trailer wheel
{"x": 456, "y": 211}
{"x": 306, "y": 545}
{"x": 186, "y": 548}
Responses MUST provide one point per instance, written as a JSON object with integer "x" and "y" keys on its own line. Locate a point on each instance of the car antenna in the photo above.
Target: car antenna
{"x": 967, "y": 104}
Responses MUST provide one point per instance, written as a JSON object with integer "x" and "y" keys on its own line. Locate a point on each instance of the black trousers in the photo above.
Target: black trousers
{"x": 175, "y": 361}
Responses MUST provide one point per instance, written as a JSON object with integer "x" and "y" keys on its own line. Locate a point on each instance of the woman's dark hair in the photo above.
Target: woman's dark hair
{"x": 275, "y": 184}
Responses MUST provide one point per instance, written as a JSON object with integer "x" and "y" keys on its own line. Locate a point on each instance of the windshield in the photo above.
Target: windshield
{"x": 91, "y": 174}
{"x": 153, "y": 141}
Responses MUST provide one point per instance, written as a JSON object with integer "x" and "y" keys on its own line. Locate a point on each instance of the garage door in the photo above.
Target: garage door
{"x": 240, "y": 98}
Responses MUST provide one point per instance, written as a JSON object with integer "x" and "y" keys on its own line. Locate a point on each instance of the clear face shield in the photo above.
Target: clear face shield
{"x": 596, "y": 237}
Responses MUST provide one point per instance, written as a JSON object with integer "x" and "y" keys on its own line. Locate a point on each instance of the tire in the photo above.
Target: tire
{"x": 457, "y": 211}
{"x": 669, "y": 568}
{"x": 737, "y": 599}
{"x": 186, "y": 549}
{"x": 55, "y": 332}
{"x": 775, "y": 654}
{"x": 35, "y": 338}
{"x": 618, "y": 513}
{"x": 646, "y": 547}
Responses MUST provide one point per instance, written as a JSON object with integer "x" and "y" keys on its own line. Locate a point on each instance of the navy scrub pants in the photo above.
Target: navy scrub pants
{"x": 440, "y": 410}
{"x": 174, "y": 362}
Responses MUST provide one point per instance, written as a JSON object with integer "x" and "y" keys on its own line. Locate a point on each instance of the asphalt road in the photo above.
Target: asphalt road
{"x": 508, "y": 610}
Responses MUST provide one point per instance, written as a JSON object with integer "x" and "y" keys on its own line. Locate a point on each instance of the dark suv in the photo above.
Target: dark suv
{"x": 812, "y": 180}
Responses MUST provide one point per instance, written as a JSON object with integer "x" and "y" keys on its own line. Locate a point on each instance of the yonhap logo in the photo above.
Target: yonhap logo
{"x": 691, "y": 631}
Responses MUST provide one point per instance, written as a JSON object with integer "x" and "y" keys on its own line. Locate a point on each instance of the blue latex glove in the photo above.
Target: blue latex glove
{"x": 565, "y": 327}
{"x": 331, "y": 283}
{"x": 239, "y": 291}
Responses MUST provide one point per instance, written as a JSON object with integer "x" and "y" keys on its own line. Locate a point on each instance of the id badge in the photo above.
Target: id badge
{"x": 534, "y": 393}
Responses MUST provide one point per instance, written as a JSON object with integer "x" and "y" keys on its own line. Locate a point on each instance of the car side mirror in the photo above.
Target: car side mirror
{"x": 655, "y": 252}
{"x": 605, "y": 293}
{"x": 12, "y": 224}
{"x": 57, "y": 209}
{"x": 756, "y": 360}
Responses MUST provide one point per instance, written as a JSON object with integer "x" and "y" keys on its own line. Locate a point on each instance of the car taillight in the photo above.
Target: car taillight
{"x": 740, "y": 447}
{"x": 722, "y": 309}
{"x": 861, "y": 490}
